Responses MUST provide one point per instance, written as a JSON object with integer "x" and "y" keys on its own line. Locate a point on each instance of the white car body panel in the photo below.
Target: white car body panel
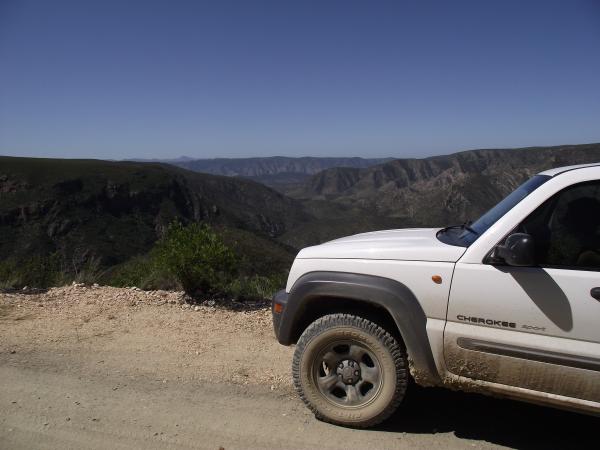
{"x": 415, "y": 244}
{"x": 416, "y": 275}
{"x": 435, "y": 334}
{"x": 564, "y": 307}
{"x": 538, "y": 376}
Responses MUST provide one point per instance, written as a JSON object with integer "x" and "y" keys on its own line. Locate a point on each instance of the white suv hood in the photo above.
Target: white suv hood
{"x": 415, "y": 244}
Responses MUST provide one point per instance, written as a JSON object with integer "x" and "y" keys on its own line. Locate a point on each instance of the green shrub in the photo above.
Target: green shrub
{"x": 132, "y": 272}
{"x": 255, "y": 287}
{"x": 143, "y": 272}
{"x": 197, "y": 257}
{"x": 35, "y": 271}
{"x": 8, "y": 277}
{"x": 89, "y": 271}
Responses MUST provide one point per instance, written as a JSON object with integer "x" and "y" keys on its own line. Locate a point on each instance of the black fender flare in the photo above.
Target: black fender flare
{"x": 396, "y": 298}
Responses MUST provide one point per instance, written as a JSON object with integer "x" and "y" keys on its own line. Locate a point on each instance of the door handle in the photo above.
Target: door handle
{"x": 595, "y": 292}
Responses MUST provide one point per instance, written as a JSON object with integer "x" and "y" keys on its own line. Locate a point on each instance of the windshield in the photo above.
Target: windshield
{"x": 468, "y": 233}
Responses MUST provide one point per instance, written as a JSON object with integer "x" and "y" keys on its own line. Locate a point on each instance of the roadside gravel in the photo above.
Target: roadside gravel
{"x": 153, "y": 332}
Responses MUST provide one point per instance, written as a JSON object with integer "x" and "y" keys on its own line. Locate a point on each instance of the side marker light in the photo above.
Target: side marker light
{"x": 436, "y": 279}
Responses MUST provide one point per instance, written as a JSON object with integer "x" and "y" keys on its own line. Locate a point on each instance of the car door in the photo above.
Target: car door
{"x": 535, "y": 327}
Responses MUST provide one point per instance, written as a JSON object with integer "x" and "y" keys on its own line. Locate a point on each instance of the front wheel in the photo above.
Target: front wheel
{"x": 349, "y": 371}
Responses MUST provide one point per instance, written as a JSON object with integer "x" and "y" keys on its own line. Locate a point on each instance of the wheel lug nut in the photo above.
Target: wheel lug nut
{"x": 356, "y": 372}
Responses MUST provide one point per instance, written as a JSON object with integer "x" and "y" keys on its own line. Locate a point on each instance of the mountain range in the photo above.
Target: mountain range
{"x": 115, "y": 211}
{"x": 438, "y": 190}
{"x": 273, "y": 171}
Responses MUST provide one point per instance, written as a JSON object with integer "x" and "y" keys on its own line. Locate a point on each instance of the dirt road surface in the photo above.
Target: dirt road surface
{"x": 120, "y": 369}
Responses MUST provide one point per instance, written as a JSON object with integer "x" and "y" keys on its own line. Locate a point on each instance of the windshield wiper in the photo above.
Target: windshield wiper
{"x": 464, "y": 226}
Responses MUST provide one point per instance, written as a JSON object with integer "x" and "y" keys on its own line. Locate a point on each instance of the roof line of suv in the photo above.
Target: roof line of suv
{"x": 560, "y": 170}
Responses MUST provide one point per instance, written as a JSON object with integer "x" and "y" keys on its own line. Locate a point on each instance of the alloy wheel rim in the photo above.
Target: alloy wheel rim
{"x": 347, "y": 373}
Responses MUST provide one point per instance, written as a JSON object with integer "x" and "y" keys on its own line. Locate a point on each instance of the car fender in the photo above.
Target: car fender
{"x": 395, "y": 297}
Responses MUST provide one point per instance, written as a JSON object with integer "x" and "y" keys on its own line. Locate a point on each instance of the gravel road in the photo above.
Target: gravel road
{"x": 102, "y": 367}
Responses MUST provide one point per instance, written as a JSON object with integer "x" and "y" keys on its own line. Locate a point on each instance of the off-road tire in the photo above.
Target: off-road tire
{"x": 337, "y": 331}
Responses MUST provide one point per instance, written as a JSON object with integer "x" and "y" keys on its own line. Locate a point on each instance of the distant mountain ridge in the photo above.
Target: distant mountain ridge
{"x": 273, "y": 171}
{"x": 256, "y": 167}
{"x": 441, "y": 189}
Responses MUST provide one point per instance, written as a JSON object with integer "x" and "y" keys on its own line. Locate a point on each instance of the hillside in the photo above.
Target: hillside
{"x": 110, "y": 211}
{"x": 439, "y": 190}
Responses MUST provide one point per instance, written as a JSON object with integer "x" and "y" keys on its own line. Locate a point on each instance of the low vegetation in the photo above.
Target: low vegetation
{"x": 197, "y": 258}
{"x": 193, "y": 258}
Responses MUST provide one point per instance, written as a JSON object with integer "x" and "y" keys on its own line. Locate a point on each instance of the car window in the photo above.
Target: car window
{"x": 482, "y": 224}
{"x": 566, "y": 228}
{"x": 464, "y": 235}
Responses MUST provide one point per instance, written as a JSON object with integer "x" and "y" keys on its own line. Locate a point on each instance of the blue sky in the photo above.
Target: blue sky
{"x": 118, "y": 79}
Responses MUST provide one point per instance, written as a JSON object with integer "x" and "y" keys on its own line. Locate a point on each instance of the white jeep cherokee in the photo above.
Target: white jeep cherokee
{"x": 507, "y": 305}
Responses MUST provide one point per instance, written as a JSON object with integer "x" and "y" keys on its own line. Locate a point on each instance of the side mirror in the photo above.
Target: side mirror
{"x": 518, "y": 250}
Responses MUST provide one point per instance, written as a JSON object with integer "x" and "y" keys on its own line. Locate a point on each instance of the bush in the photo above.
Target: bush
{"x": 197, "y": 257}
{"x": 140, "y": 271}
{"x": 256, "y": 287}
{"x": 36, "y": 271}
